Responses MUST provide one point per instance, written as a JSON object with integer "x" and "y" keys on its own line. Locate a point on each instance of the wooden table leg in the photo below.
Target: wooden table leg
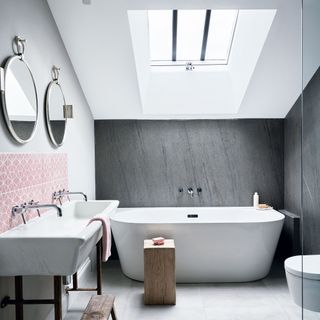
{"x": 99, "y": 267}
{"x": 57, "y": 298}
{"x": 19, "y": 297}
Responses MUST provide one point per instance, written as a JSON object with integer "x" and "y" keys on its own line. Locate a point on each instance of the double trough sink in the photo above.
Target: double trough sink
{"x": 52, "y": 245}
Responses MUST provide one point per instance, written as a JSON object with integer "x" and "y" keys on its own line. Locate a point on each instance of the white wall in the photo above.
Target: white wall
{"x": 32, "y": 19}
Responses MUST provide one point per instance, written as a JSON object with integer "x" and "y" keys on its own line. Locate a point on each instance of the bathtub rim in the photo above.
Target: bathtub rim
{"x": 280, "y": 217}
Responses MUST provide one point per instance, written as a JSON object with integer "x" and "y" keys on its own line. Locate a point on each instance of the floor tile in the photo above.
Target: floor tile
{"x": 267, "y": 299}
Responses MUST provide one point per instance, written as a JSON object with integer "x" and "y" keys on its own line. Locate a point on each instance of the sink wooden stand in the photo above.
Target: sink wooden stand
{"x": 18, "y": 302}
{"x": 99, "y": 275}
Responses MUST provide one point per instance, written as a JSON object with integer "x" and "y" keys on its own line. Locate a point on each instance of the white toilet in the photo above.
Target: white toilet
{"x": 309, "y": 279}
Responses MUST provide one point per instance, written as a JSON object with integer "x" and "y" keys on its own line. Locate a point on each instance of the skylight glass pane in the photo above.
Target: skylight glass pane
{"x": 222, "y": 25}
{"x": 160, "y": 34}
{"x": 190, "y": 34}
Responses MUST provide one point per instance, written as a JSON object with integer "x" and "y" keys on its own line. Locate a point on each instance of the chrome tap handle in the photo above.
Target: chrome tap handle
{"x": 31, "y": 203}
{"x": 20, "y": 210}
{"x": 57, "y": 195}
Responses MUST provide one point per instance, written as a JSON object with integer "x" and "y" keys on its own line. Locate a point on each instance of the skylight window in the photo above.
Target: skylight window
{"x": 199, "y": 37}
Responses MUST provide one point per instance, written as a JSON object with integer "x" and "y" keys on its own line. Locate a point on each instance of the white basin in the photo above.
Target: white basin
{"x": 88, "y": 209}
{"x": 52, "y": 245}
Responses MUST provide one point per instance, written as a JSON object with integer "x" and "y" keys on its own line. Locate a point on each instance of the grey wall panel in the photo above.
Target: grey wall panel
{"x": 292, "y": 159}
{"x": 310, "y": 163}
{"x": 143, "y": 163}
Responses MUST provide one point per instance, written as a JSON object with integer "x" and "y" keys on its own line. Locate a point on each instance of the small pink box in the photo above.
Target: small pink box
{"x": 158, "y": 241}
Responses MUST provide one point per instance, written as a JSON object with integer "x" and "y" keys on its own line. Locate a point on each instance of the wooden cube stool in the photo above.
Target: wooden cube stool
{"x": 159, "y": 273}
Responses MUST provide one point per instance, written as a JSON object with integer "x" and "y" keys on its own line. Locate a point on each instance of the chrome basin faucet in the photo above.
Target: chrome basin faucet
{"x": 58, "y": 195}
{"x": 25, "y": 207}
{"x": 38, "y": 206}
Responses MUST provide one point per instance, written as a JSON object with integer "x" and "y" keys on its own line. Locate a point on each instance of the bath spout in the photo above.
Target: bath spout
{"x": 190, "y": 191}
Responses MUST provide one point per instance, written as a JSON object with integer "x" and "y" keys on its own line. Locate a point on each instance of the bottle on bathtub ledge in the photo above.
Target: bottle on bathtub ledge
{"x": 255, "y": 200}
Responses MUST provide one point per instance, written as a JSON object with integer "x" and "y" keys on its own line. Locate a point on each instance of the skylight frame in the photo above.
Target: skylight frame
{"x": 202, "y": 60}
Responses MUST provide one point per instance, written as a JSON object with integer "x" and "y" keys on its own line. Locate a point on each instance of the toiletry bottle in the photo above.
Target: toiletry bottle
{"x": 255, "y": 200}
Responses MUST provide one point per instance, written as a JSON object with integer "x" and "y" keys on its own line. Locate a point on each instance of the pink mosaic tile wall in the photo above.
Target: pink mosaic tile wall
{"x": 29, "y": 176}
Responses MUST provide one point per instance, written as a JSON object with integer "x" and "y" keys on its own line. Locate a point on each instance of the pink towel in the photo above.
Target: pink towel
{"x": 106, "y": 235}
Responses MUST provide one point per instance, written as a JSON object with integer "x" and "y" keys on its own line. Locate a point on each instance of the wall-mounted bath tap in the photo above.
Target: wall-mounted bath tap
{"x": 58, "y": 195}
{"x": 190, "y": 191}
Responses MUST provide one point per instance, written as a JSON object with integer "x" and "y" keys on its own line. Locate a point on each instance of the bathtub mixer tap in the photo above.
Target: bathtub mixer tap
{"x": 191, "y": 192}
{"x": 59, "y": 195}
{"x": 27, "y": 206}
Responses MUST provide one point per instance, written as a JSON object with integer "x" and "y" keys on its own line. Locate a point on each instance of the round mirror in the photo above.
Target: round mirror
{"x": 56, "y": 121}
{"x": 19, "y": 99}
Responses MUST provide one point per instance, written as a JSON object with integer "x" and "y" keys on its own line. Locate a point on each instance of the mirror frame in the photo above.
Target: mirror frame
{"x": 14, "y": 135}
{"x": 47, "y": 109}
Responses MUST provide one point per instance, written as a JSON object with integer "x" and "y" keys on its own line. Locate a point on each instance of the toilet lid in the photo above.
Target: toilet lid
{"x": 311, "y": 266}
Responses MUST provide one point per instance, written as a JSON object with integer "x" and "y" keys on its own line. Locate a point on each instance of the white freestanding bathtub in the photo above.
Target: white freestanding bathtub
{"x": 215, "y": 244}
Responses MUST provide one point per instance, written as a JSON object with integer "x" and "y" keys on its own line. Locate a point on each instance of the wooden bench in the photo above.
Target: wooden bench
{"x": 159, "y": 273}
{"x": 99, "y": 308}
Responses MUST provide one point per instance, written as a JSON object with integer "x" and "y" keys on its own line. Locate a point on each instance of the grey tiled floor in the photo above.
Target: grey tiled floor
{"x": 260, "y": 300}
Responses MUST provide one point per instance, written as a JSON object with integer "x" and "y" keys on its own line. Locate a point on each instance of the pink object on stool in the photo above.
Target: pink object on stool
{"x": 106, "y": 235}
{"x": 158, "y": 241}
